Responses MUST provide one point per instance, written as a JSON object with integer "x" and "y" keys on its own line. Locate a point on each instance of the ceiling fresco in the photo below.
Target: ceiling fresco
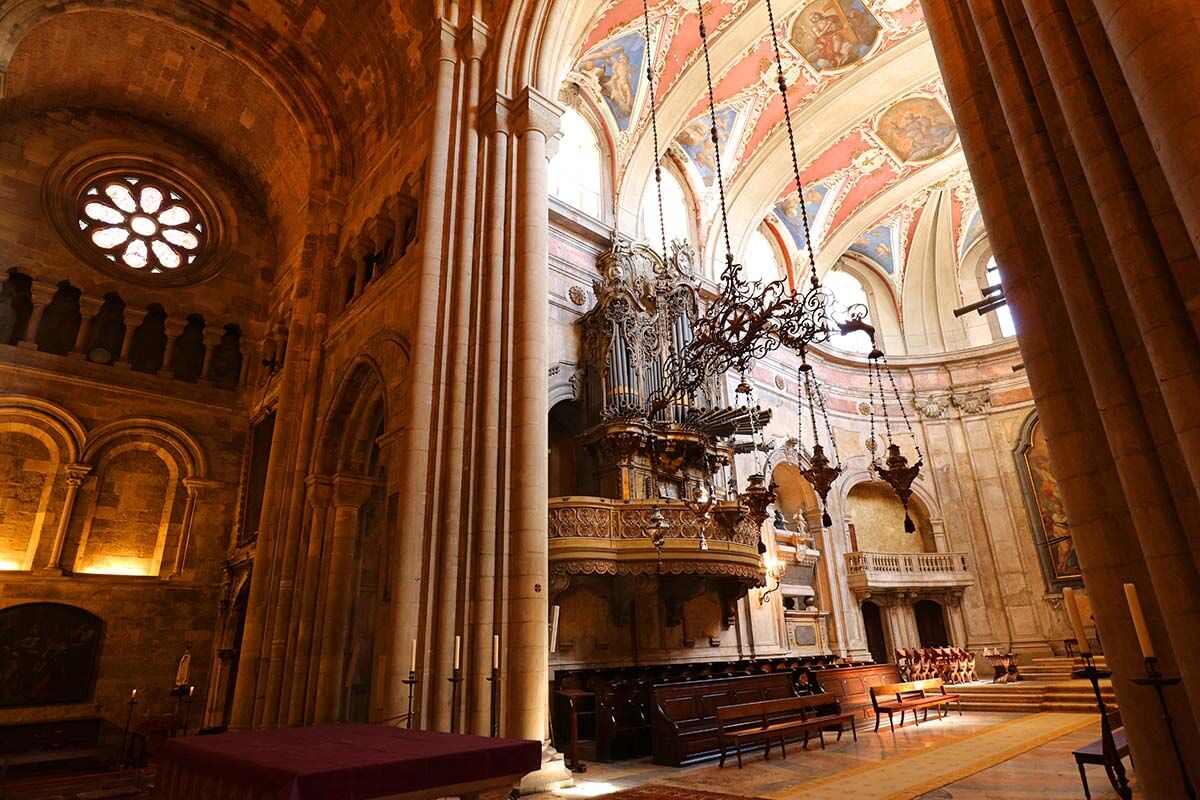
{"x": 836, "y": 54}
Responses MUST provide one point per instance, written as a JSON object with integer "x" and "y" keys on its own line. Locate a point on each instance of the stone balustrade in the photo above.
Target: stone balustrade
{"x": 868, "y": 572}
{"x": 59, "y": 319}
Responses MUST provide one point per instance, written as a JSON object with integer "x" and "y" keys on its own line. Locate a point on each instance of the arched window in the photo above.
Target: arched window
{"x": 1003, "y": 314}
{"x": 846, "y": 291}
{"x": 576, "y": 172}
{"x": 675, "y": 212}
{"x": 760, "y": 262}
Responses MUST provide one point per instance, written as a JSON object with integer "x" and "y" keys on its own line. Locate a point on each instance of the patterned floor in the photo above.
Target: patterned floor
{"x": 1047, "y": 771}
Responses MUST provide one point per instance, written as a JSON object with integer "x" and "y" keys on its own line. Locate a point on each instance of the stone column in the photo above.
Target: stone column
{"x": 482, "y": 608}
{"x": 320, "y": 494}
{"x": 212, "y": 339}
{"x": 41, "y": 295}
{"x": 349, "y": 494}
{"x": 89, "y": 307}
{"x": 192, "y": 486}
{"x": 174, "y": 328}
{"x": 76, "y": 473}
{"x": 133, "y": 318}
{"x": 528, "y": 648}
{"x": 408, "y": 587}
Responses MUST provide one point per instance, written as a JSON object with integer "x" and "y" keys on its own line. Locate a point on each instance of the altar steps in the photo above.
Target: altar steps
{"x": 1029, "y": 696}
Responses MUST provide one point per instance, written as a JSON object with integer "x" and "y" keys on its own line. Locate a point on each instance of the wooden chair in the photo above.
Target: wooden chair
{"x": 1107, "y": 752}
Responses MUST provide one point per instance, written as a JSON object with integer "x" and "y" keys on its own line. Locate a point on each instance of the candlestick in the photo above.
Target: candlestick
{"x": 455, "y": 682}
{"x": 412, "y": 657}
{"x": 187, "y": 710}
{"x": 1155, "y": 678}
{"x": 1139, "y": 621}
{"x": 457, "y": 653}
{"x": 1076, "y": 620}
{"x": 411, "y": 683}
{"x": 494, "y": 679}
{"x": 1089, "y": 671}
{"x": 125, "y": 736}
{"x": 495, "y": 651}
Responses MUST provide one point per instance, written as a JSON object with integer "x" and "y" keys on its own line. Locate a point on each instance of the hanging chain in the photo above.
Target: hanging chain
{"x": 837, "y": 459}
{"x": 871, "y": 405}
{"x": 903, "y": 413}
{"x": 787, "y": 117}
{"x": 712, "y": 116}
{"x": 662, "y": 222}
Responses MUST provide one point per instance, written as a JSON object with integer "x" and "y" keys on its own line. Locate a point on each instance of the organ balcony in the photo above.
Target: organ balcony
{"x": 870, "y": 573}
{"x": 598, "y": 536}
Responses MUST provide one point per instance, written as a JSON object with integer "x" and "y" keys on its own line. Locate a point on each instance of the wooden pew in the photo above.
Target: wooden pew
{"x": 912, "y": 696}
{"x": 852, "y": 685}
{"x": 684, "y": 721}
{"x": 769, "y": 719}
{"x": 39, "y": 744}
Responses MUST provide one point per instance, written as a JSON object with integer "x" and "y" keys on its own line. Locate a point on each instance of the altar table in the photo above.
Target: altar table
{"x": 340, "y": 762}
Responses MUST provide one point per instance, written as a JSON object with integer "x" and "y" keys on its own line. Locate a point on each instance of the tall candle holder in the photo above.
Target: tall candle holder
{"x": 411, "y": 683}
{"x": 494, "y": 679}
{"x": 455, "y": 682}
{"x": 187, "y": 709}
{"x": 125, "y": 735}
{"x": 1156, "y": 679}
{"x": 1093, "y": 674}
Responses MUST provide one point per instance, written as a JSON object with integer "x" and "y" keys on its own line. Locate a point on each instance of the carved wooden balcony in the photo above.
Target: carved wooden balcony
{"x": 881, "y": 572}
{"x": 597, "y": 536}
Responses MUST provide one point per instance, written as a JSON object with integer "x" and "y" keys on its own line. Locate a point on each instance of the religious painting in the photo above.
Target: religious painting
{"x": 834, "y": 34}
{"x": 877, "y": 246}
{"x": 616, "y": 68}
{"x": 917, "y": 129}
{"x": 48, "y": 654}
{"x": 1052, "y": 531}
{"x": 696, "y": 141}
{"x": 788, "y": 210}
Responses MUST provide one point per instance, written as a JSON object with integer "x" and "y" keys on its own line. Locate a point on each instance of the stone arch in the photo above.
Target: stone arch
{"x": 347, "y": 431}
{"x": 170, "y": 437}
{"x": 39, "y": 446}
{"x": 888, "y": 533}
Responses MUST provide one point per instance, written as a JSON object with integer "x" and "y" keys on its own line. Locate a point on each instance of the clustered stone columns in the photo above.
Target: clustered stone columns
{"x": 1083, "y": 153}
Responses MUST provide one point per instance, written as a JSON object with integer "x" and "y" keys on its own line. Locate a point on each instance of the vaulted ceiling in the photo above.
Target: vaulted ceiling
{"x": 873, "y": 134}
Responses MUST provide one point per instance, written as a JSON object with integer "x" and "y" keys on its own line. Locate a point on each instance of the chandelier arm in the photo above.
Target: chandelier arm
{"x": 787, "y": 116}
{"x": 903, "y": 413}
{"x": 712, "y": 116}
{"x": 662, "y": 222}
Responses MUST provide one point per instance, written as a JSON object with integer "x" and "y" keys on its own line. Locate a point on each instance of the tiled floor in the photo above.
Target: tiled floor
{"x": 1045, "y": 772}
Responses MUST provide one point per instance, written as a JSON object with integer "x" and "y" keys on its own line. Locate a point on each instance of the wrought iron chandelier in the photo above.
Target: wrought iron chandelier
{"x": 749, "y": 319}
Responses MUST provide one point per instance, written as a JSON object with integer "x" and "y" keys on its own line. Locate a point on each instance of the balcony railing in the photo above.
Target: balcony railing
{"x": 880, "y": 571}
{"x": 593, "y": 535}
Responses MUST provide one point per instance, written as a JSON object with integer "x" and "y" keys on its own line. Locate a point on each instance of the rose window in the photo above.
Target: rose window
{"x": 142, "y": 223}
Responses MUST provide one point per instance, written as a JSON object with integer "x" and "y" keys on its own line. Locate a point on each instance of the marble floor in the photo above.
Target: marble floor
{"x": 1045, "y": 772}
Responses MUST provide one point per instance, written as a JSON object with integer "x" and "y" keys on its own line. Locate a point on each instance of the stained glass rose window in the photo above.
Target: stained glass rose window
{"x": 141, "y": 222}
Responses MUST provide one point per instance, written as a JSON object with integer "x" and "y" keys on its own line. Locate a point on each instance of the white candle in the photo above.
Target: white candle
{"x": 133, "y": 695}
{"x": 457, "y": 652}
{"x": 1139, "y": 621}
{"x": 191, "y": 690}
{"x": 1076, "y": 621}
{"x": 495, "y": 651}
{"x": 554, "y": 629}
{"x": 412, "y": 657}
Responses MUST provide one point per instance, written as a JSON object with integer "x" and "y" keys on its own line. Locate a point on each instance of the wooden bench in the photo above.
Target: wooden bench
{"x": 852, "y": 685}
{"x": 769, "y": 719}
{"x": 912, "y": 696}
{"x": 38, "y": 744}
{"x": 1107, "y": 752}
{"x": 684, "y": 724}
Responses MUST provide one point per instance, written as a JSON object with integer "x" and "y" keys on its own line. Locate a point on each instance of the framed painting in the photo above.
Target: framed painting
{"x": 49, "y": 653}
{"x": 1044, "y": 504}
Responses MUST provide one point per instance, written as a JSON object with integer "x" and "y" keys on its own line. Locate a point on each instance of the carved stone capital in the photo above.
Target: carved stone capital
{"x": 351, "y": 491}
{"x": 534, "y": 111}
{"x": 320, "y": 490}
{"x": 77, "y": 473}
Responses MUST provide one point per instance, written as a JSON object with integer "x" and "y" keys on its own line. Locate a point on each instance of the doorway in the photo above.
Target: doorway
{"x": 931, "y": 623}
{"x": 873, "y": 623}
